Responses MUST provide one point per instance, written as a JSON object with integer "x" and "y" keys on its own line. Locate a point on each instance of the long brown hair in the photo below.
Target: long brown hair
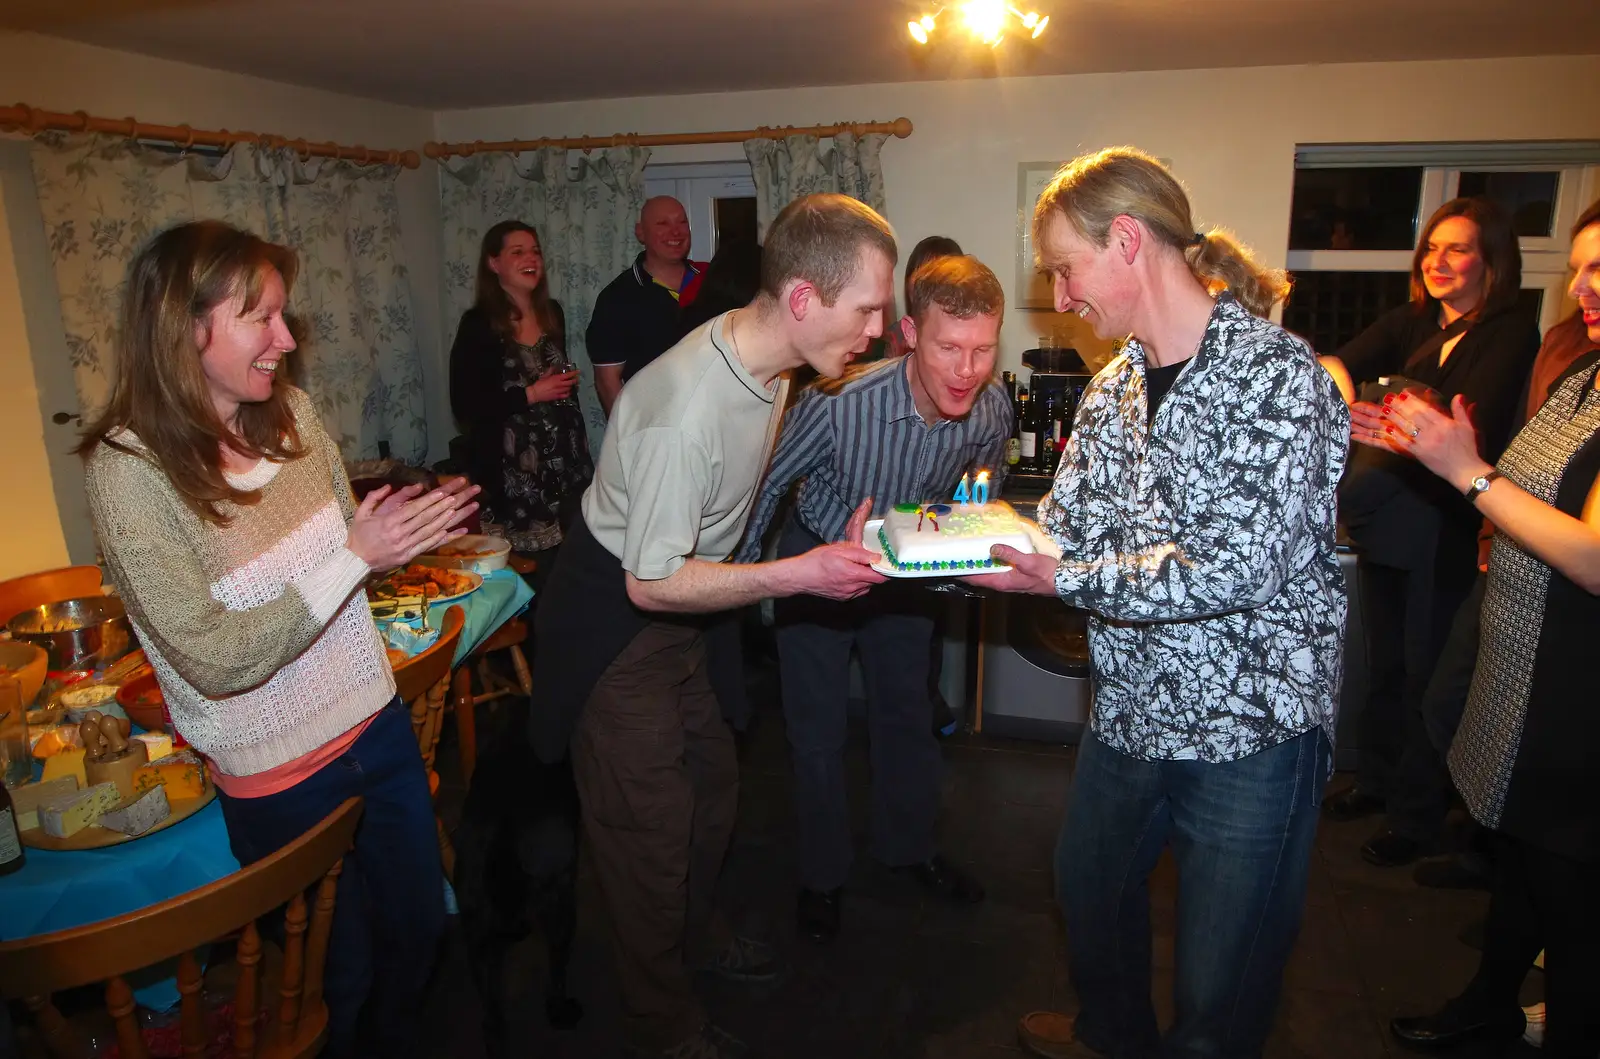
{"x": 159, "y": 390}
{"x": 1093, "y": 190}
{"x": 1497, "y": 245}
{"x": 496, "y": 304}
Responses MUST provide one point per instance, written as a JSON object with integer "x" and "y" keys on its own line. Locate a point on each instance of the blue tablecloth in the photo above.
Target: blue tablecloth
{"x": 55, "y": 891}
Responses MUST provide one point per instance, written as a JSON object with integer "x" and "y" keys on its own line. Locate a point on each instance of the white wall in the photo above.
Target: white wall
{"x": 1230, "y": 135}
{"x": 65, "y": 76}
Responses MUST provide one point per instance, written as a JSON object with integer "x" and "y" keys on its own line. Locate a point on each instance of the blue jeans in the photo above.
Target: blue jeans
{"x": 1241, "y": 832}
{"x": 390, "y": 910}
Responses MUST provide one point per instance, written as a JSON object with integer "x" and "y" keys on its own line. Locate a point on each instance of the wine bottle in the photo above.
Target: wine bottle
{"x": 1029, "y": 463}
{"x": 12, "y": 857}
{"x": 1014, "y": 442}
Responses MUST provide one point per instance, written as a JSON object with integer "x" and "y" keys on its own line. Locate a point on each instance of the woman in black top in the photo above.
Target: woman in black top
{"x": 1461, "y": 334}
{"x": 512, "y": 390}
{"x": 1527, "y": 752}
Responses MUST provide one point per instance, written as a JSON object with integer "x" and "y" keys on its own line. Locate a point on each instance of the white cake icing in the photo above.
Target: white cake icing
{"x": 950, "y": 536}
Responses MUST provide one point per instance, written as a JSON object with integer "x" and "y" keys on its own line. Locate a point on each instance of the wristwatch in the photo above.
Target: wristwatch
{"x": 1479, "y": 484}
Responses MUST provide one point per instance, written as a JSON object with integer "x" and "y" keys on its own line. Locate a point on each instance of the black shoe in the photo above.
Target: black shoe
{"x": 1458, "y": 1022}
{"x": 1451, "y": 873}
{"x": 748, "y": 961}
{"x": 1387, "y": 849}
{"x": 817, "y": 914}
{"x": 940, "y": 877}
{"x": 1352, "y": 803}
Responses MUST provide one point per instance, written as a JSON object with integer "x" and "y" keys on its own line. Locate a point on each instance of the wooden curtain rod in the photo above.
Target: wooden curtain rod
{"x": 900, "y": 127}
{"x": 34, "y": 120}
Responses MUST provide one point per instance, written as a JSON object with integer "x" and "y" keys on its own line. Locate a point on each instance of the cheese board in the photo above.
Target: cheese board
{"x": 97, "y": 837}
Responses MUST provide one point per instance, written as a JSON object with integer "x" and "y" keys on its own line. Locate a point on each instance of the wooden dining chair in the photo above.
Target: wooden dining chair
{"x": 296, "y": 1025}
{"x": 509, "y": 638}
{"x": 423, "y": 682}
{"x": 48, "y": 586}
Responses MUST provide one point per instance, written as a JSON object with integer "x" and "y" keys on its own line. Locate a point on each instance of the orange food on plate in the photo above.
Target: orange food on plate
{"x": 430, "y": 582}
{"x": 396, "y": 656}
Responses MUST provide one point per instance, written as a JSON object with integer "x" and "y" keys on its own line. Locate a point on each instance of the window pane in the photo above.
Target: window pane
{"x": 1328, "y": 309}
{"x": 1530, "y": 198}
{"x": 1355, "y": 209}
{"x": 736, "y": 220}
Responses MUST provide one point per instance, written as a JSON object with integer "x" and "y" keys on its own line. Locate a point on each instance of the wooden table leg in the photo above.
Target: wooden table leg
{"x": 466, "y": 722}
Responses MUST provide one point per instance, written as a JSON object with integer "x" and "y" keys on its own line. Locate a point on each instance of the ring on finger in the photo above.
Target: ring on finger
{"x": 1414, "y": 432}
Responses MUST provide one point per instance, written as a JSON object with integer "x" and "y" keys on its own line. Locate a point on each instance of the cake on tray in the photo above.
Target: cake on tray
{"x": 953, "y": 537}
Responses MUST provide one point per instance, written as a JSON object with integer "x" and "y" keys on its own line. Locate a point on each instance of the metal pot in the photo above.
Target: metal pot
{"x": 76, "y": 633}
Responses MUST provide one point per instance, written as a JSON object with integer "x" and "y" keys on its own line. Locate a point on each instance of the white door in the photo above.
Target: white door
{"x": 34, "y": 359}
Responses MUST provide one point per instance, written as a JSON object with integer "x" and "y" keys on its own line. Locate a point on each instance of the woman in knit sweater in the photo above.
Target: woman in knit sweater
{"x": 227, "y": 524}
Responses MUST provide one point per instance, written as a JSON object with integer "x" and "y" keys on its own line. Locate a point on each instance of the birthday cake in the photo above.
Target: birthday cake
{"x": 952, "y": 537}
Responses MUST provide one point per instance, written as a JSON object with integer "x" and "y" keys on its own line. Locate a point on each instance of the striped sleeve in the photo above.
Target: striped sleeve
{"x": 805, "y": 444}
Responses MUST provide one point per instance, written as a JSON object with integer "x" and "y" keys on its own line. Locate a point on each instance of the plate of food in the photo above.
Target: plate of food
{"x": 950, "y": 540}
{"x": 416, "y": 584}
{"x": 67, "y": 814}
{"x": 476, "y": 552}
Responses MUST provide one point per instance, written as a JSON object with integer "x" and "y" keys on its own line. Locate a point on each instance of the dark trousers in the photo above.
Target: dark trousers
{"x": 1241, "y": 832}
{"x": 390, "y": 909}
{"x": 1541, "y": 900}
{"x": 1406, "y": 631}
{"x": 659, "y": 781}
{"x": 892, "y": 628}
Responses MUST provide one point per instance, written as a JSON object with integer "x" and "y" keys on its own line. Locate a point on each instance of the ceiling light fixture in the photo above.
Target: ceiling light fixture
{"x": 987, "y": 21}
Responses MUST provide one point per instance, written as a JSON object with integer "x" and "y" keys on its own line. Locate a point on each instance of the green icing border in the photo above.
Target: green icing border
{"x": 953, "y": 565}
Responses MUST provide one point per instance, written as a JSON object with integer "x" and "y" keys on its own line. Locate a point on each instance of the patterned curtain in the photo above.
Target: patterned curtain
{"x": 103, "y": 197}
{"x": 799, "y": 165}
{"x": 584, "y": 207}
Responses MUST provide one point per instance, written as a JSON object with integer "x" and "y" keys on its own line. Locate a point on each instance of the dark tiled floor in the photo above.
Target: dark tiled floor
{"x": 914, "y": 978}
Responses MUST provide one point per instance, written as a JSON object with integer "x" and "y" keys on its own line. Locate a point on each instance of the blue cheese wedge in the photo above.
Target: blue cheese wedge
{"x": 65, "y": 815}
{"x": 28, "y": 797}
{"x": 139, "y": 815}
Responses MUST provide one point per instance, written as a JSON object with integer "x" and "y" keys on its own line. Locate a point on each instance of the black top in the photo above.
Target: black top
{"x": 636, "y": 319}
{"x": 532, "y": 460}
{"x": 1489, "y": 365}
{"x": 1157, "y": 381}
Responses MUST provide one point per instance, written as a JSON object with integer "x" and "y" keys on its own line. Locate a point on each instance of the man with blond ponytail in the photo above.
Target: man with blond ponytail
{"x": 1194, "y": 507}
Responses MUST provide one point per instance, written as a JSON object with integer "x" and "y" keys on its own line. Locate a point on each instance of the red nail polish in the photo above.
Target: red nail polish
{"x": 1388, "y": 398}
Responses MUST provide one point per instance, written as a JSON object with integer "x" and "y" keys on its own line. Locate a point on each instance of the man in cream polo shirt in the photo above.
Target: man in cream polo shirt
{"x": 622, "y": 655}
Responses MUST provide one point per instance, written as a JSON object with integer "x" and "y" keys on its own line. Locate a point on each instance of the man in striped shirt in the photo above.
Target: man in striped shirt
{"x": 902, "y": 430}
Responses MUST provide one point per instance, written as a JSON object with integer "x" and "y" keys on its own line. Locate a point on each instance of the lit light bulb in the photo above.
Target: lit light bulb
{"x": 918, "y": 34}
{"x": 927, "y": 23}
{"x": 1038, "y": 29}
{"x": 985, "y": 19}
{"x": 1030, "y": 19}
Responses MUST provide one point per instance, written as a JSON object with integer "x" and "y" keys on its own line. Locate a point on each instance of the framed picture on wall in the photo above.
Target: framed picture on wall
{"x": 1032, "y": 290}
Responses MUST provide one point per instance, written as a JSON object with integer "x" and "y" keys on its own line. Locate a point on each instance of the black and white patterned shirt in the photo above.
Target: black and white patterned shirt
{"x": 866, "y": 438}
{"x": 1203, "y": 545}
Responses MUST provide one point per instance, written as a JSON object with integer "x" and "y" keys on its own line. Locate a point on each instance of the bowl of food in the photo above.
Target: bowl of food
{"x": 140, "y": 698}
{"x": 80, "y": 633}
{"x": 476, "y": 552}
{"x": 25, "y": 663}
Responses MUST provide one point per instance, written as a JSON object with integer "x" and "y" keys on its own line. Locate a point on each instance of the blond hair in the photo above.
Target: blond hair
{"x": 818, "y": 239}
{"x": 1093, "y": 190}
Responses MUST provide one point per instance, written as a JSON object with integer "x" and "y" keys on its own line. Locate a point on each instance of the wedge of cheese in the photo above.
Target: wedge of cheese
{"x": 68, "y": 762}
{"x": 157, "y": 745}
{"x": 139, "y": 815}
{"x": 64, "y": 815}
{"x": 29, "y": 796}
{"x": 181, "y": 774}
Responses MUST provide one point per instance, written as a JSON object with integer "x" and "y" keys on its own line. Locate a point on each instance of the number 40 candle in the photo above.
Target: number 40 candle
{"x": 977, "y": 493}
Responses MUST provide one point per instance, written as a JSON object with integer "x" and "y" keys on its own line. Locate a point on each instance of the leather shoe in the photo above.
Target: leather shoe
{"x": 1352, "y": 803}
{"x": 817, "y": 914}
{"x": 1458, "y": 1022}
{"x": 1387, "y": 849}
{"x": 939, "y": 876}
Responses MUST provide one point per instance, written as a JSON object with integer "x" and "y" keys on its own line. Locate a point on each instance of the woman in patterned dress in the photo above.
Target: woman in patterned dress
{"x": 1527, "y": 753}
{"x": 512, "y": 389}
